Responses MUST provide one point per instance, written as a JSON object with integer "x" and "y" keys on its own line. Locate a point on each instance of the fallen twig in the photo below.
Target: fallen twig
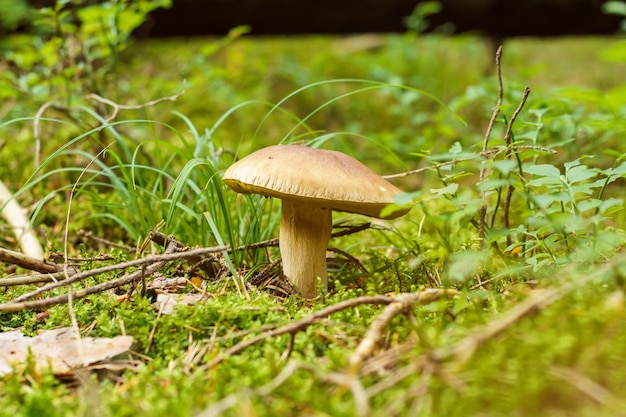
{"x": 18, "y": 305}
{"x": 400, "y": 304}
{"x": 15, "y": 280}
{"x": 63, "y": 277}
{"x": 294, "y": 327}
{"x": 585, "y": 385}
{"x": 511, "y": 149}
{"x": 465, "y": 349}
{"x": 28, "y": 262}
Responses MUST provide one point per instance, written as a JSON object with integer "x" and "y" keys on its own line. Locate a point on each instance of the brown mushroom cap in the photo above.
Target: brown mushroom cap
{"x": 323, "y": 178}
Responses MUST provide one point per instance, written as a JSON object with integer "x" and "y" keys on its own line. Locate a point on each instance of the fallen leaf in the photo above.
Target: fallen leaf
{"x": 63, "y": 350}
{"x": 166, "y": 303}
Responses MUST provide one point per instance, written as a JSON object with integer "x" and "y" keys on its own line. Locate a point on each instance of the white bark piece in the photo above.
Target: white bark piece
{"x": 16, "y": 217}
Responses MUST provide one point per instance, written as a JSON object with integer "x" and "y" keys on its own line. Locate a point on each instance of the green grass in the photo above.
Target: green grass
{"x": 411, "y": 102}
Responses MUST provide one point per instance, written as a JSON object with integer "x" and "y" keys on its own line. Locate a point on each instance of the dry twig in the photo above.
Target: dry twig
{"x": 19, "y": 305}
{"x": 297, "y": 326}
{"x": 401, "y": 304}
{"x": 117, "y": 107}
{"x": 483, "y": 169}
{"x": 511, "y": 148}
{"x": 28, "y": 262}
{"x": 465, "y": 349}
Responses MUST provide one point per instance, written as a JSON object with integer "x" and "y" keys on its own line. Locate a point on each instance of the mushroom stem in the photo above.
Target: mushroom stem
{"x": 304, "y": 234}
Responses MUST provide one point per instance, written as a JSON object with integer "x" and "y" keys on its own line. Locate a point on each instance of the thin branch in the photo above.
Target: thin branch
{"x": 483, "y": 169}
{"x": 509, "y": 127}
{"x": 465, "y": 349}
{"x": 15, "y": 305}
{"x": 496, "y": 110}
{"x": 488, "y": 152}
{"x": 55, "y": 272}
{"x": 166, "y": 257}
{"x": 294, "y": 327}
{"x": 401, "y": 304}
{"x": 12, "y": 281}
{"x": 27, "y": 262}
{"x": 511, "y": 148}
{"x": 117, "y": 107}
{"x": 585, "y": 385}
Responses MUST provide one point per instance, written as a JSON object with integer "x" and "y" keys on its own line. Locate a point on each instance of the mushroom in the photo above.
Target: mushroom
{"x": 311, "y": 183}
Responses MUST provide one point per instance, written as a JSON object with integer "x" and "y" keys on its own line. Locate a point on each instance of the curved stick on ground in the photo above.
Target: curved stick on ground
{"x": 16, "y": 217}
{"x": 293, "y": 327}
{"x": 401, "y": 304}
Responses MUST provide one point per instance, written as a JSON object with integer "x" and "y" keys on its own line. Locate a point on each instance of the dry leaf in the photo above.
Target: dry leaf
{"x": 166, "y": 303}
{"x": 61, "y": 349}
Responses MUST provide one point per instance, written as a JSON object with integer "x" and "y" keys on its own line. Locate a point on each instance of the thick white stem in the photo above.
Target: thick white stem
{"x": 304, "y": 234}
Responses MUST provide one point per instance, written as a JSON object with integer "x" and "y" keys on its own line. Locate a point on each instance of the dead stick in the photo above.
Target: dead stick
{"x": 483, "y": 170}
{"x": 510, "y": 149}
{"x": 462, "y": 351}
{"x": 401, "y": 304}
{"x": 166, "y": 257}
{"x": 294, "y": 327}
{"x": 465, "y": 349}
{"x": 27, "y": 262}
{"x": 14, "y": 306}
{"x": 30, "y": 279}
{"x": 488, "y": 152}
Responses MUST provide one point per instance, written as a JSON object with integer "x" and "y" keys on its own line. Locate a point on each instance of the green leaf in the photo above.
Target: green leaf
{"x": 504, "y": 166}
{"x": 450, "y": 189}
{"x": 492, "y": 184}
{"x": 544, "y": 170}
{"x": 579, "y": 173}
{"x": 588, "y": 204}
{"x": 456, "y": 148}
{"x": 614, "y": 7}
{"x": 611, "y": 205}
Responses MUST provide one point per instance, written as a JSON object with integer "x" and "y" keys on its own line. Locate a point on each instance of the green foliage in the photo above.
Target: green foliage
{"x": 13, "y": 13}
{"x": 72, "y": 50}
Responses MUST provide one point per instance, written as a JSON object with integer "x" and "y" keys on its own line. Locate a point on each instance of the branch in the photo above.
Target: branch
{"x": 486, "y": 153}
{"x": 483, "y": 170}
{"x": 294, "y": 327}
{"x": 437, "y": 360}
{"x": 16, "y": 305}
{"x": 401, "y": 304}
{"x": 118, "y": 107}
{"x": 27, "y": 262}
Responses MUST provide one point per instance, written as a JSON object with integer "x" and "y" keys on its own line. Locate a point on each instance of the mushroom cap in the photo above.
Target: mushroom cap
{"x": 324, "y": 178}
